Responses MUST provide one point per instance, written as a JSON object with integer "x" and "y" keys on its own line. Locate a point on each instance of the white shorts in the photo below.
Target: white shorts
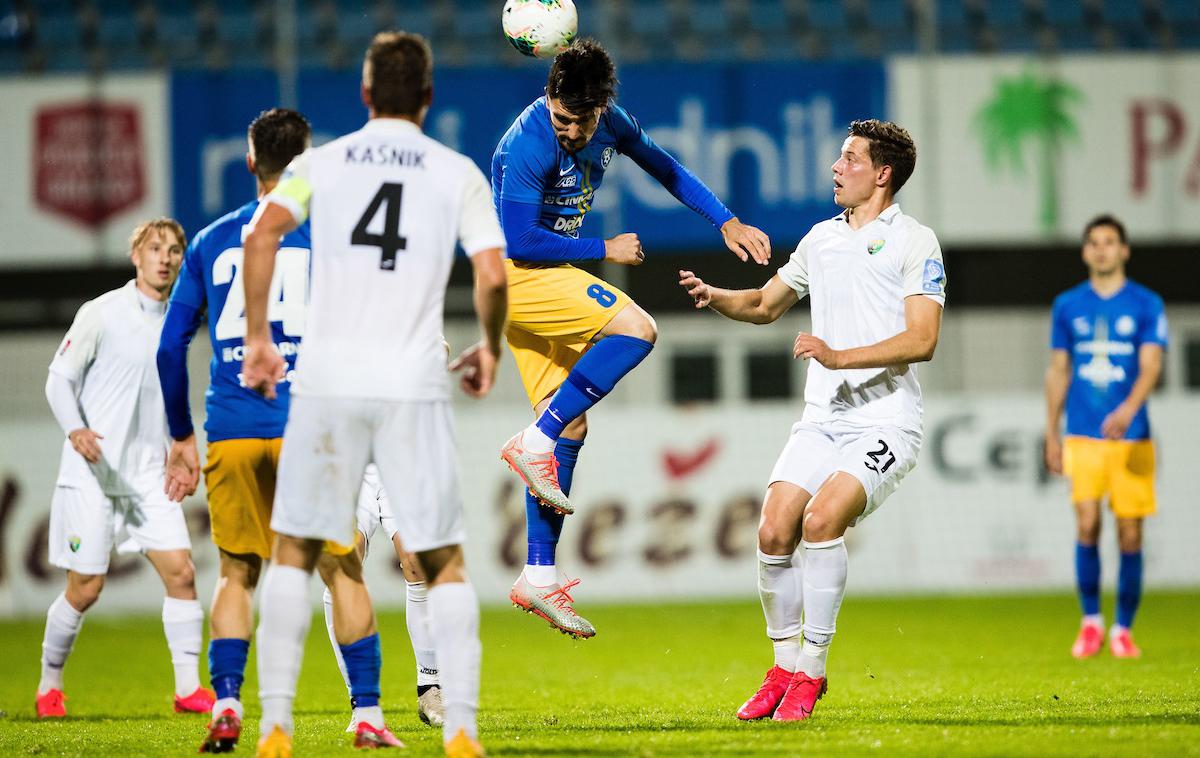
{"x": 327, "y": 445}
{"x": 878, "y": 457}
{"x": 374, "y": 511}
{"x": 85, "y": 524}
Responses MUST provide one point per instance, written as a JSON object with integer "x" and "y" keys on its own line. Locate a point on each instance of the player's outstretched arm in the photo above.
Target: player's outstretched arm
{"x": 1058, "y": 381}
{"x": 916, "y": 344}
{"x": 746, "y": 241}
{"x": 478, "y": 362}
{"x": 263, "y": 367}
{"x": 760, "y": 306}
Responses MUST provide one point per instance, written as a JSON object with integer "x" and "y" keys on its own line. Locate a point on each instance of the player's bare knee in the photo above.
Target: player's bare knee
{"x": 820, "y": 525}
{"x": 1129, "y": 536}
{"x": 180, "y": 578}
{"x": 1088, "y": 530}
{"x": 83, "y": 590}
{"x": 776, "y": 539}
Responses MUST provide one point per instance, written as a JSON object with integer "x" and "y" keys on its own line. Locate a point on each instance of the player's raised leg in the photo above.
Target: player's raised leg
{"x": 183, "y": 624}
{"x": 1129, "y": 588}
{"x": 539, "y": 589}
{"x": 780, "y": 577}
{"x": 231, "y": 622}
{"x": 623, "y": 343}
{"x": 1090, "y": 639}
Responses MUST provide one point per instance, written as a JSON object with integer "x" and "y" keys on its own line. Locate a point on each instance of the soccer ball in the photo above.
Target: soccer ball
{"x": 540, "y": 28}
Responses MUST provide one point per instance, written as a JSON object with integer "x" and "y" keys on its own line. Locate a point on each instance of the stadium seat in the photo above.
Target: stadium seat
{"x": 415, "y": 17}
{"x": 709, "y": 18}
{"x": 1123, "y": 12}
{"x": 1001, "y": 13}
{"x": 1062, "y": 14}
{"x": 888, "y": 14}
{"x": 1182, "y": 12}
{"x": 768, "y": 17}
{"x": 827, "y": 16}
{"x": 57, "y": 28}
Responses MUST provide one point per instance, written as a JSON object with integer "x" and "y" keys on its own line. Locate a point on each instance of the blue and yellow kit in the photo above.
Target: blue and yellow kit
{"x": 1103, "y": 337}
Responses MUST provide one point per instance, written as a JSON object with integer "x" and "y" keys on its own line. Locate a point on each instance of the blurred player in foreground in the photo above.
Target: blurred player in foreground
{"x": 372, "y": 386}
{"x": 244, "y": 436}
{"x": 1107, "y": 339}
{"x": 877, "y": 286}
{"x": 574, "y": 336}
{"x": 103, "y": 390}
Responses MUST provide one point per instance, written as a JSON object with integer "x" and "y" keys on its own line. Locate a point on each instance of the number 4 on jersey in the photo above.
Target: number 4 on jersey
{"x": 389, "y": 240}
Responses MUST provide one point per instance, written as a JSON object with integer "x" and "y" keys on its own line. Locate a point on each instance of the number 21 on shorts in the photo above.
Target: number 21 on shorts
{"x": 605, "y": 297}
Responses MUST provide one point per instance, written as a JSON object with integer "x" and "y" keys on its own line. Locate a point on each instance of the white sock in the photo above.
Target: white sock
{"x": 337, "y": 649}
{"x": 536, "y": 441}
{"x": 420, "y": 633}
{"x": 228, "y": 704}
{"x": 282, "y": 628}
{"x": 183, "y": 623}
{"x": 372, "y": 714}
{"x": 454, "y": 612}
{"x": 541, "y": 576}
{"x": 825, "y": 566}
{"x": 62, "y": 626}
{"x": 780, "y": 590}
{"x": 1094, "y": 619}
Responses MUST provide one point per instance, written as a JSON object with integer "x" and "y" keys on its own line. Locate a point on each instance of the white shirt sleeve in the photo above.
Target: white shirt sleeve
{"x": 64, "y": 402}
{"x": 794, "y": 273}
{"x": 294, "y": 190}
{"x": 478, "y": 227}
{"x": 924, "y": 269}
{"x": 78, "y": 348}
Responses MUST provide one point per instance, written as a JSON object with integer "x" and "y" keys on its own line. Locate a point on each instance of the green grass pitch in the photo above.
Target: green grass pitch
{"x": 910, "y": 676}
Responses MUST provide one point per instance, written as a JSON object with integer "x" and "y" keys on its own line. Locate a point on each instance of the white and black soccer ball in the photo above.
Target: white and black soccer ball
{"x": 540, "y": 28}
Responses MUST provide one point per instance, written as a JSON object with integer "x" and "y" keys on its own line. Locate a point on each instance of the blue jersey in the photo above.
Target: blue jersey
{"x": 1103, "y": 337}
{"x": 535, "y": 178}
{"x": 211, "y": 278}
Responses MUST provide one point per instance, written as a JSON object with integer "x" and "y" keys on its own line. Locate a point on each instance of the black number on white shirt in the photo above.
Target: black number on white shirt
{"x": 875, "y": 456}
{"x": 389, "y": 240}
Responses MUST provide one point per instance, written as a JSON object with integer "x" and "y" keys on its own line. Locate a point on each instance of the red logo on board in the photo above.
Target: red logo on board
{"x": 89, "y": 159}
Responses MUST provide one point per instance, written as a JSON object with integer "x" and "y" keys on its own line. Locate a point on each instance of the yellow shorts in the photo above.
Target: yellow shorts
{"x": 240, "y": 477}
{"x": 553, "y": 314}
{"x": 1121, "y": 469}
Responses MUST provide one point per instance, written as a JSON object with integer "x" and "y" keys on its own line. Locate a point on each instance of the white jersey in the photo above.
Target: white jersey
{"x": 858, "y": 281}
{"x": 109, "y": 353}
{"x": 388, "y": 205}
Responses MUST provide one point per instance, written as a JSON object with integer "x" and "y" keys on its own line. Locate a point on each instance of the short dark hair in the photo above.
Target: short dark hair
{"x": 398, "y": 72}
{"x": 890, "y": 145}
{"x": 278, "y": 136}
{"x": 582, "y": 77}
{"x": 1106, "y": 219}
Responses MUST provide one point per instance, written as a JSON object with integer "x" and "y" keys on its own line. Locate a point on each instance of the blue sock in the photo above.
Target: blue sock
{"x": 593, "y": 377}
{"x": 1087, "y": 577}
{"x": 363, "y": 660}
{"x": 227, "y": 666}
{"x": 1129, "y": 587}
{"x": 544, "y": 525}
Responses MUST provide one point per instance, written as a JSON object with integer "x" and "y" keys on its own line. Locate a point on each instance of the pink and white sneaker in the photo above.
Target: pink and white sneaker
{"x": 200, "y": 701}
{"x": 1120, "y": 643}
{"x": 764, "y": 702}
{"x": 1089, "y": 641}
{"x": 801, "y": 697}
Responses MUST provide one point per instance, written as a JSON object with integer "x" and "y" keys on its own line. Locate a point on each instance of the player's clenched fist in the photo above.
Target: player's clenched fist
{"x": 699, "y": 291}
{"x": 625, "y": 249}
{"x": 263, "y": 367}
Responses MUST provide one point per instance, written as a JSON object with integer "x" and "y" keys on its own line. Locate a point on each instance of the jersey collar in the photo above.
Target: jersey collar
{"x": 888, "y": 215}
{"x": 392, "y": 125}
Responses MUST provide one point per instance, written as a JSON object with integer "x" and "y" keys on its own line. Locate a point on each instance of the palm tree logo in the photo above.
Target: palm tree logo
{"x": 1027, "y": 111}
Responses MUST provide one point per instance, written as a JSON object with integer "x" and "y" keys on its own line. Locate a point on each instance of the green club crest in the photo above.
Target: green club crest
{"x": 73, "y": 542}
{"x": 874, "y": 246}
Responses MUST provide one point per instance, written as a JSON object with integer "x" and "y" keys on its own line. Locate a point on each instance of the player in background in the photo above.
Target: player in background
{"x": 372, "y": 386}
{"x": 104, "y": 393}
{"x": 573, "y": 335}
{"x": 245, "y": 433}
{"x": 877, "y": 286}
{"x": 1107, "y": 340}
